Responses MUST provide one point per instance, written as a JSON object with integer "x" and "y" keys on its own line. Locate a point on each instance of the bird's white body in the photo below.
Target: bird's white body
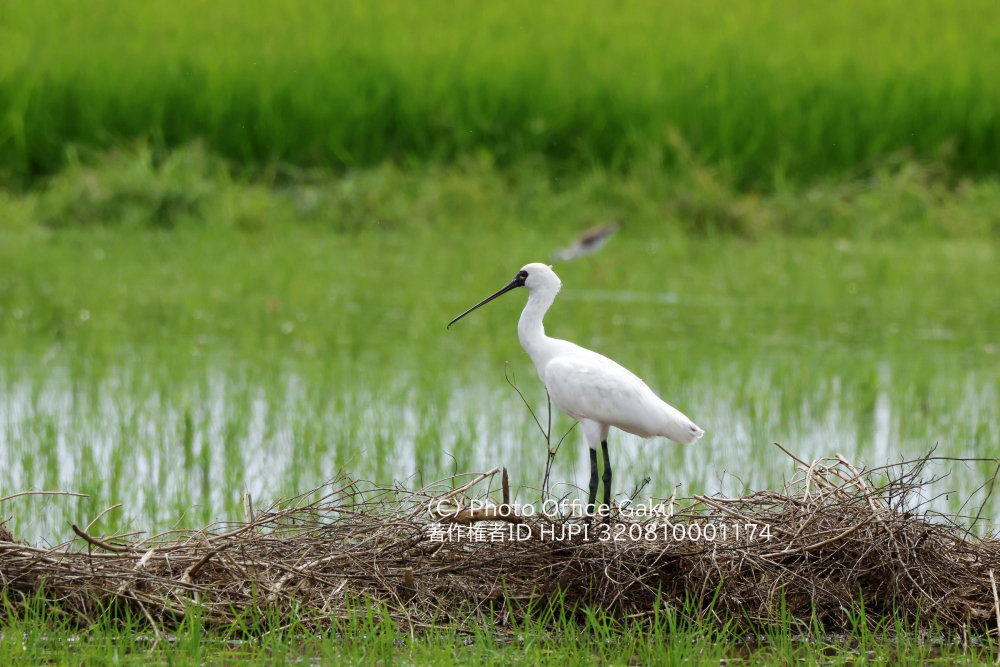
{"x": 587, "y": 386}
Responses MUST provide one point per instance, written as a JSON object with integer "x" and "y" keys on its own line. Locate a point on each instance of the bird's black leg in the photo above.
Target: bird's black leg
{"x": 607, "y": 474}
{"x": 593, "y": 484}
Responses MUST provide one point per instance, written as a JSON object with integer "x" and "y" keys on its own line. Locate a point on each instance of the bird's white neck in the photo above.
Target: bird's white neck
{"x": 530, "y": 330}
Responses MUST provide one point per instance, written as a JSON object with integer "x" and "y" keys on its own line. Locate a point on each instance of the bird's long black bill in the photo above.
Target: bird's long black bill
{"x": 516, "y": 282}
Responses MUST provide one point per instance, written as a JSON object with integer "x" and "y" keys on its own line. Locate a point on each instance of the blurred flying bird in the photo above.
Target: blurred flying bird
{"x": 587, "y": 243}
{"x": 588, "y": 386}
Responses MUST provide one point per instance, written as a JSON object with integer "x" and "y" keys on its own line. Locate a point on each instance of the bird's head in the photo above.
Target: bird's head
{"x": 534, "y": 276}
{"x": 539, "y": 276}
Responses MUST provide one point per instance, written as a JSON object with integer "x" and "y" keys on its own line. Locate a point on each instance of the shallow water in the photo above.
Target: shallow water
{"x": 122, "y": 441}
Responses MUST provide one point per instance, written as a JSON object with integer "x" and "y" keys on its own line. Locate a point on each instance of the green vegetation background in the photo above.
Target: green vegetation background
{"x": 769, "y": 91}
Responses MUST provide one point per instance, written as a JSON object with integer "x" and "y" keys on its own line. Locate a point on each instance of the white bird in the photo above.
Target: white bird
{"x": 587, "y": 386}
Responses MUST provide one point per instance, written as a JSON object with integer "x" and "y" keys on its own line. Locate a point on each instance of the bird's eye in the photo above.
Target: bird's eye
{"x": 524, "y": 274}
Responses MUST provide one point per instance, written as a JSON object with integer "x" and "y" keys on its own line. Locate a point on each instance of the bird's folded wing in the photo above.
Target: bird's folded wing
{"x": 602, "y": 390}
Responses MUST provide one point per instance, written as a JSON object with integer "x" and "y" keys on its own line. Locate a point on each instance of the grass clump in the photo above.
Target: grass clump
{"x": 148, "y": 189}
{"x": 133, "y": 189}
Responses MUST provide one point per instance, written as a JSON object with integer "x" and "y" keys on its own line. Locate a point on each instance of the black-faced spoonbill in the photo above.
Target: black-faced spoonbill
{"x": 587, "y": 386}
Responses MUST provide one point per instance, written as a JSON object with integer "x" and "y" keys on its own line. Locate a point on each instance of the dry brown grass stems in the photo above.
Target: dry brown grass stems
{"x": 838, "y": 535}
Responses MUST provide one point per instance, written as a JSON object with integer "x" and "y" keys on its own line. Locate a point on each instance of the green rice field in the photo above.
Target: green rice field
{"x": 772, "y": 91}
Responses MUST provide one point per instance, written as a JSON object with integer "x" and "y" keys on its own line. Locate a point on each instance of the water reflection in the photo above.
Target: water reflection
{"x": 123, "y": 441}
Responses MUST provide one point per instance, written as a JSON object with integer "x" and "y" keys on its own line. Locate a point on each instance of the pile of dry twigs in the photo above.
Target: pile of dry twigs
{"x": 835, "y": 536}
